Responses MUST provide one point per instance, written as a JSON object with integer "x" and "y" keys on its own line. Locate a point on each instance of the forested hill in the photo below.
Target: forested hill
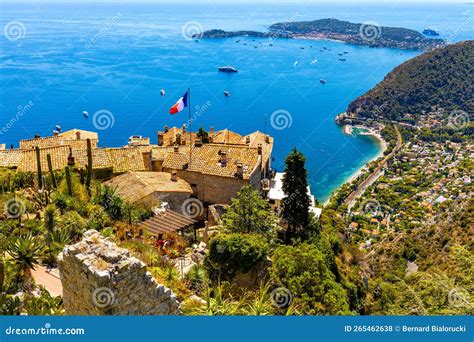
{"x": 442, "y": 77}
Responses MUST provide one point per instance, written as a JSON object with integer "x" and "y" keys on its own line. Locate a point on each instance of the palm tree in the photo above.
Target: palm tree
{"x": 26, "y": 253}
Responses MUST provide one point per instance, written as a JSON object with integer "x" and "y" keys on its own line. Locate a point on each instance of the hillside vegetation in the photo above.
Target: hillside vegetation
{"x": 440, "y": 78}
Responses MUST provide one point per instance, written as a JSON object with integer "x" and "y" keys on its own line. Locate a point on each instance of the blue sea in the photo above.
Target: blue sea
{"x": 58, "y": 60}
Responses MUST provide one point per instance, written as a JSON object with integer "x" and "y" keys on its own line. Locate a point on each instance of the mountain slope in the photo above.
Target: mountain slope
{"x": 442, "y": 77}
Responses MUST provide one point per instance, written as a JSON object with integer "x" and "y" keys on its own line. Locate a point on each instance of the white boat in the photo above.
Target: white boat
{"x": 86, "y": 115}
{"x": 162, "y": 93}
{"x": 226, "y": 93}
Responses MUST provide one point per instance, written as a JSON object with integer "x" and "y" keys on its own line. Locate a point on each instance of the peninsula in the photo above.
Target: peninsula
{"x": 367, "y": 34}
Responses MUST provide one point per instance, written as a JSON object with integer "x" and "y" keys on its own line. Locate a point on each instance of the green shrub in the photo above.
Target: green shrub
{"x": 302, "y": 269}
{"x": 232, "y": 253}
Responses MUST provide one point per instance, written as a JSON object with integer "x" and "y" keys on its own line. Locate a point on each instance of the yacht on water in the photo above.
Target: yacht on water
{"x": 322, "y": 81}
{"x": 227, "y": 68}
{"x": 162, "y": 93}
{"x": 226, "y": 93}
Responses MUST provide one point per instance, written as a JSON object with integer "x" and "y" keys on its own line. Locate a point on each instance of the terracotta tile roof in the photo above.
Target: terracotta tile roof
{"x": 166, "y": 221}
{"x": 41, "y": 142}
{"x": 58, "y": 154}
{"x": 134, "y": 186}
{"x": 10, "y": 158}
{"x": 206, "y": 159}
{"x": 126, "y": 159}
{"x": 226, "y": 136}
{"x": 100, "y": 158}
{"x": 258, "y": 138}
{"x": 56, "y": 141}
{"x": 160, "y": 152}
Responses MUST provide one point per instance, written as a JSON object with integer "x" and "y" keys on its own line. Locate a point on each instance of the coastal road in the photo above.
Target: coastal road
{"x": 353, "y": 196}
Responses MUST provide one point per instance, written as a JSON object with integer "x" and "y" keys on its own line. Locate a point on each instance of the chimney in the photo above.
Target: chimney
{"x": 176, "y": 148}
{"x": 55, "y": 133}
{"x": 240, "y": 170}
{"x": 211, "y": 130}
{"x": 166, "y": 128}
{"x": 78, "y": 135}
{"x": 223, "y": 158}
{"x": 178, "y": 139}
{"x": 161, "y": 138}
{"x": 170, "y": 142}
{"x": 198, "y": 142}
{"x": 174, "y": 176}
{"x": 247, "y": 139}
{"x": 267, "y": 138}
{"x": 70, "y": 158}
{"x": 259, "y": 149}
{"x": 183, "y": 128}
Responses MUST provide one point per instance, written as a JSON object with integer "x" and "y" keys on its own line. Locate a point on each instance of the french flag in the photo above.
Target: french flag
{"x": 180, "y": 105}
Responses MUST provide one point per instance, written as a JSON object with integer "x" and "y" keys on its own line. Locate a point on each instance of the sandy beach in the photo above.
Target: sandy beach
{"x": 348, "y": 129}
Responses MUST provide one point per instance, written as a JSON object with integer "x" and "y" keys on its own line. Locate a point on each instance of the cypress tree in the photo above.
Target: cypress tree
{"x": 296, "y": 202}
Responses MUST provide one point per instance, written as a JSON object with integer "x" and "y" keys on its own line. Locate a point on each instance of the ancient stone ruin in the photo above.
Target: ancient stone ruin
{"x": 99, "y": 278}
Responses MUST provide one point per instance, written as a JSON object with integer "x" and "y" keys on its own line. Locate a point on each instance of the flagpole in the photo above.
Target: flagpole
{"x": 190, "y": 126}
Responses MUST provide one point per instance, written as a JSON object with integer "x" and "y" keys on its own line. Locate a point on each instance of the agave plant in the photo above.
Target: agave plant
{"x": 26, "y": 252}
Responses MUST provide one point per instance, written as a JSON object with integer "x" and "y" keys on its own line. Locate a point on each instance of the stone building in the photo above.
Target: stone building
{"x": 215, "y": 168}
{"x": 99, "y": 278}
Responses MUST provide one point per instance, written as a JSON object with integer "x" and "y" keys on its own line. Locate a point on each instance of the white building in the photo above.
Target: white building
{"x": 276, "y": 195}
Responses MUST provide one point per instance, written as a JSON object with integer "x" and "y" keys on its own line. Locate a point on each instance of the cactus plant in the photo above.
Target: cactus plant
{"x": 51, "y": 172}
{"x": 38, "y": 165}
{"x": 89, "y": 167}
{"x": 69, "y": 181}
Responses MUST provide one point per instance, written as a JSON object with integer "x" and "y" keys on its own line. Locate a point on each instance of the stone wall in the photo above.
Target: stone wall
{"x": 100, "y": 278}
{"x": 210, "y": 188}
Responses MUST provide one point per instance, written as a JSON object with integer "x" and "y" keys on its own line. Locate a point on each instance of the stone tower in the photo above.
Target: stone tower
{"x": 100, "y": 278}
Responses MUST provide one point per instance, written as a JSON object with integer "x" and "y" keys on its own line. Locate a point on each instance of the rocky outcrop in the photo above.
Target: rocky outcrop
{"x": 99, "y": 278}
